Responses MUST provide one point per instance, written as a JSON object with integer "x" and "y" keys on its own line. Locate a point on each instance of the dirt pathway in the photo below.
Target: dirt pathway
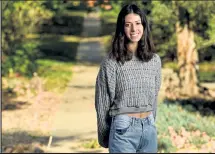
{"x": 75, "y": 121}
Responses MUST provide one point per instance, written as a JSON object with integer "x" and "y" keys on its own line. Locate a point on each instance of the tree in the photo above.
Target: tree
{"x": 191, "y": 23}
{"x": 193, "y": 27}
{"x": 18, "y": 19}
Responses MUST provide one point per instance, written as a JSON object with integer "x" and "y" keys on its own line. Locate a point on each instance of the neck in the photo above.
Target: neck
{"x": 132, "y": 47}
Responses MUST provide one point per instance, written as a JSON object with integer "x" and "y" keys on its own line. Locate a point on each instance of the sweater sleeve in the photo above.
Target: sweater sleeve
{"x": 157, "y": 84}
{"x": 104, "y": 94}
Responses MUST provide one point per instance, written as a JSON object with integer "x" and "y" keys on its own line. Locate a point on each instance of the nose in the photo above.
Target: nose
{"x": 133, "y": 28}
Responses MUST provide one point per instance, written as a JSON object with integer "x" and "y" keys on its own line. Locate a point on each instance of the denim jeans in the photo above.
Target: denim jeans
{"x": 133, "y": 135}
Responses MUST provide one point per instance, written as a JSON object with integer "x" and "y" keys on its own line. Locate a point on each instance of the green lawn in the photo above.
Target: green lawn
{"x": 56, "y": 74}
{"x": 206, "y": 70}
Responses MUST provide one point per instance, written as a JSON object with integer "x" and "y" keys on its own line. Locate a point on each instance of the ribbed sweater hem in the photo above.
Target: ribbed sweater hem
{"x": 124, "y": 110}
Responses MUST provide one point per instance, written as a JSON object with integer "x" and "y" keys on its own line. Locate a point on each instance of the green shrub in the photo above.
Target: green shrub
{"x": 172, "y": 65}
{"x": 20, "y": 18}
{"x": 177, "y": 117}
{"x": 165, "y": 145}
{"x": 22, "y": 61}
{"x": 92, "y": 144}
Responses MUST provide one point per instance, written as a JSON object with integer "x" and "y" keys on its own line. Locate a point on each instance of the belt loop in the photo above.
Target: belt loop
{"x": 148, "y": 120}
{"x": 112, "y": 118}
{"x": 132, "y": 121}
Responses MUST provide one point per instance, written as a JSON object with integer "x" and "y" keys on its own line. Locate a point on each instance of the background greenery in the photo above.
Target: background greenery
{"x": 162, "y": 18}
{"x": 43, "y": 36}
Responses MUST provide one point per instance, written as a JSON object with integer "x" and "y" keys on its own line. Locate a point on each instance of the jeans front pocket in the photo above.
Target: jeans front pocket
{"x": 152, "y": 120}
{"x": 121, "y": 124}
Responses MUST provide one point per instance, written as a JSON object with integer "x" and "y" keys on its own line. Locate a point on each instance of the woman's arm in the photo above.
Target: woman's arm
{"x": 157, "y": 84}
{"x": 104, "y": 94}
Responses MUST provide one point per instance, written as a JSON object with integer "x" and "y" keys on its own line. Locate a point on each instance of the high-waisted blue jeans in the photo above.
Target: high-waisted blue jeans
{"x": 133, "y": 135}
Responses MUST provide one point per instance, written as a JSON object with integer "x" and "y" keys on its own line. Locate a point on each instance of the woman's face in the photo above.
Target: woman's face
{"x": 133, "y": 27}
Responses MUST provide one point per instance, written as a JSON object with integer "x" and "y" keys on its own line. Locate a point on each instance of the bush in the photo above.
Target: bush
{"x": 22, "y": 61}
{"x": 20, "y": 18}
{"x": 177, "y": 117}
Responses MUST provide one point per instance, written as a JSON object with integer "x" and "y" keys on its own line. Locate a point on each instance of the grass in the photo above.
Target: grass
{"x": 91, "y": 144}
{"x": 206, "y": 70}
{"x": 58, "y": 56}
{"x": 55, "y": 73}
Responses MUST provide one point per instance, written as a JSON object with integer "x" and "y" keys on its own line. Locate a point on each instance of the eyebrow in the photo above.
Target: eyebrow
{"x": 131, "y": 22}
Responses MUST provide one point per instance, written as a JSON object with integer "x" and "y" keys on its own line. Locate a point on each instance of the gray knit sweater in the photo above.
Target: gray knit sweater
{"x": 129, "y": 88}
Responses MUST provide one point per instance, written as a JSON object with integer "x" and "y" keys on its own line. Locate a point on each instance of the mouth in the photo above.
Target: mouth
{"x": 134, "y": 34}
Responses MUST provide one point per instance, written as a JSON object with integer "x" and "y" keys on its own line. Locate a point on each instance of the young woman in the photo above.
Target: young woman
{"x": 127, "y": 87}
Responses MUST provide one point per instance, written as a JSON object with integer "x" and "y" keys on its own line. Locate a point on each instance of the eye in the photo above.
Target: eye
{"x": 138, "y": 23}
{"x": 126, "y": 25}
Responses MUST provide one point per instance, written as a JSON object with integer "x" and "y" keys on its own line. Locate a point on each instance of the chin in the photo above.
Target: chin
{"x": 134, "y": 40}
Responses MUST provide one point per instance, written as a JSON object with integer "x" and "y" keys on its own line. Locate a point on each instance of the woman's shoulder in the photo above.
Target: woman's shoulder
{"x": 108, "y": 61}
{"x": 156, "y": 58}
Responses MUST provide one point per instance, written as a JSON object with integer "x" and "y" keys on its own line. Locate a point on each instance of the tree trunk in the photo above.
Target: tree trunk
{"x": 187, "y": 61}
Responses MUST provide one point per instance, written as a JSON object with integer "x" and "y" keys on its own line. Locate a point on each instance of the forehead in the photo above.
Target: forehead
{"x": 132, "y": 17}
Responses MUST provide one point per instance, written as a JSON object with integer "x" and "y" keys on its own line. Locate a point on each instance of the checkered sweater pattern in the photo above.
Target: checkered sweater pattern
{"x": 129, "y": 88}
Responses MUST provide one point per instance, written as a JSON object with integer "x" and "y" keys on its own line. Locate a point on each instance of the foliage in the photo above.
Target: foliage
{"x": 192, "y": 122}
{"x": 187, "y": 13}
{"x": 163, "y": 29}
{"x": 22, "y": 62}
{"x": 23, "y": 18}
{"x": 20, "y": 18}
{"x": 162, "y": 16}
{"x": 92, "y": 144}
{"x": 113, "y": 13}
{"x": 55, "y": 6}
{"x": 65, "y": 22}
{"x": 59, "y": 6}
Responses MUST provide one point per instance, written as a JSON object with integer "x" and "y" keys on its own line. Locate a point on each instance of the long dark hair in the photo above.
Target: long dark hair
{"x": 145, "y": 49}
